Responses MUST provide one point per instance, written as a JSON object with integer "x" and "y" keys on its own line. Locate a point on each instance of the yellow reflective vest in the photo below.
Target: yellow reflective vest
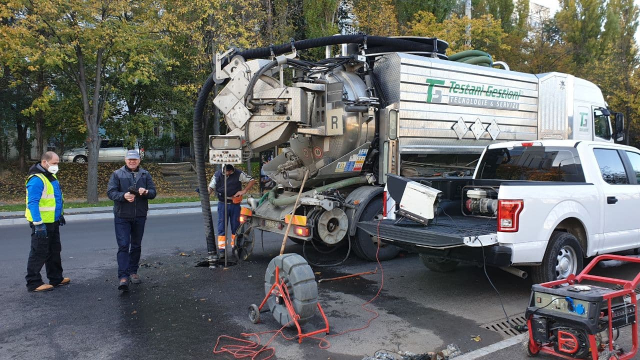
{"x": 47, "y": 203}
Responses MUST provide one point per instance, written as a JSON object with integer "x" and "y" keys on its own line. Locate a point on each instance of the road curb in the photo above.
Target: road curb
{"x": 107, "y": 215}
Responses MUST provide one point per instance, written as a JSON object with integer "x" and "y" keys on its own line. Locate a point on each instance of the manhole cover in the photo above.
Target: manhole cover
{"x": 505, "y": 328}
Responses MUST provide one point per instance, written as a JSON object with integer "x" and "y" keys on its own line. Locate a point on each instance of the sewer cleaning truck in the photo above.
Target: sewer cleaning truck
{"x": 378, "y": 106}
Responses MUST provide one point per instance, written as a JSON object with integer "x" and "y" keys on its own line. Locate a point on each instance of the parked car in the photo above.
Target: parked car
{"x": 110, "y": 151}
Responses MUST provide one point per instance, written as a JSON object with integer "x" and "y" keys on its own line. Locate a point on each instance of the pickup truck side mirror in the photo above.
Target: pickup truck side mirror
{"x": 619, "y": 134}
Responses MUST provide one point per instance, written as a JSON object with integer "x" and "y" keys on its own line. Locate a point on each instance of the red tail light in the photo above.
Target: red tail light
{"x": 509, "y": 215}
{"x": 301, "y": 231}
{"x": 242, "y": 219}
{"x": 384, "y": 203}
{"x": 527, "y": 144}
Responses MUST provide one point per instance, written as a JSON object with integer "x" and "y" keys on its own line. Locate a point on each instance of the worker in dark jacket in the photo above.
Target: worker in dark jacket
{"x": 44, "y": 213}
{"x": 234, "y": 179}
{"x": 130, "y": 188}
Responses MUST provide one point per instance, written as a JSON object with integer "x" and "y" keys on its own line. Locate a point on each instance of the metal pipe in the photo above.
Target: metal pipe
{"x": 515, "y": 271}
{"x": 336, "y": 185}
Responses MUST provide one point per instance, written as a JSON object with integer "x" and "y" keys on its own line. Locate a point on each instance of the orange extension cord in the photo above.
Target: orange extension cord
{"x": 243, "y": 349}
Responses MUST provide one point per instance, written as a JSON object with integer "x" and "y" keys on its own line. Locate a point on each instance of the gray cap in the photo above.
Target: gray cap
{"x": 132, "y": 154}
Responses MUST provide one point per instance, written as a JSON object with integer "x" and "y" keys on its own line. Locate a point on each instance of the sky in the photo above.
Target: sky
{"x": 553, "y": 5}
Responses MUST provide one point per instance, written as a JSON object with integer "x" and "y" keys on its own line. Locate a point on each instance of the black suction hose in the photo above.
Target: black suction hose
{"x": 390, "y": 44}
{"x": 198, "y": 145}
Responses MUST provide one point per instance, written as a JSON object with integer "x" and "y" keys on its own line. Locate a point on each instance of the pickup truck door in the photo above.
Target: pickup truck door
{"x": 633, "y": 168}
{"x": 620, "y": 199}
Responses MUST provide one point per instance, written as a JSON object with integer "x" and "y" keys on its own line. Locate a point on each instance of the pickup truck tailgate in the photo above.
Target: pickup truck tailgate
{"x": 441, "y": 233}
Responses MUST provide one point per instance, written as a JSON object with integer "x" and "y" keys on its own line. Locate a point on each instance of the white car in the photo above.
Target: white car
{"x": 110, "y": 151}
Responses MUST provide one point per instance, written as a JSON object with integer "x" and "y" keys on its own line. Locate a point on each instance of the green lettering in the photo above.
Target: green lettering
{"x": 431, "y": 83}
{"x": 583, "y": 119}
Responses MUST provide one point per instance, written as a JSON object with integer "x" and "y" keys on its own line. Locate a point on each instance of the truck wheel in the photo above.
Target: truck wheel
{"x": 562, "y": 258}
{"x": 297, "y": 275}
{"x": 437, "y": 264}
{"x": 244, "y": 240}
{"x": 365, "y": 246}
{"x": 80, "y": 159}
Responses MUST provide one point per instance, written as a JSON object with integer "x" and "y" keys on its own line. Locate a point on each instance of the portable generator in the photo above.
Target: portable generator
{"x": 573, "y": 320}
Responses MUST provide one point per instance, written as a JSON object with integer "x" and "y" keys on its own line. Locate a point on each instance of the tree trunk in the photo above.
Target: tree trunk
{"x": 21, "y": 128}
{"x": 93, "y": 145}
{"x": 39, "y": 134}
{"x": 91, "y": 110}
{"x": 39, "y": 117}
{"x": 269, "y": 9}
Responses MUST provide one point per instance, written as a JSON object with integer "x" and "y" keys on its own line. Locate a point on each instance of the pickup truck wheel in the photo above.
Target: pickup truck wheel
{"x": 437, "y": 264}
{"x": 301, "y": 284}
{"x": 80, "y": 159}
{"x": 562, "y": 258}
{"x": 365, "y": 246}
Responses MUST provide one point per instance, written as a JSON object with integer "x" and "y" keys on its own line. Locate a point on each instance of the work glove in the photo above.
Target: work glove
{"x": 41, "y": 231}
{"x": 62, "y": 221}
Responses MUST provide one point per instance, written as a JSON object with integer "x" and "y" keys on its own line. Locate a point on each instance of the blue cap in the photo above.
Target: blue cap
{"x": 132, "y": 154}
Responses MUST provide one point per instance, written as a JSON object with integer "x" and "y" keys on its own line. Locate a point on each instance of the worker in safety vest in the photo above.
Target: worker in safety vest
{"x": 235, "y": 178}
{"x": 45, "y": 215}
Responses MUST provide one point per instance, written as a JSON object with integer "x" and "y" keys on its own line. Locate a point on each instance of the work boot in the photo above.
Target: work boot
{"x": 123, "y": 285}
{"x": 135, "y": 279}
{"x": 64, "y": 281}
{"x": 43, "y": 287}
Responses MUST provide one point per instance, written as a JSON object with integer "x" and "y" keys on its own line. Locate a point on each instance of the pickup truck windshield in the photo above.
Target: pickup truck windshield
{"x": 532, "y": 163}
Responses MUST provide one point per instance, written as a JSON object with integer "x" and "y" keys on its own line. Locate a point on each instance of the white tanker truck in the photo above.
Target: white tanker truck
{"x": 383, "y": 105}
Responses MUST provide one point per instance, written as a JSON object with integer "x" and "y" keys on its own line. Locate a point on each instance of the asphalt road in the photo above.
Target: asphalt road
{"x": 180, "y": 310}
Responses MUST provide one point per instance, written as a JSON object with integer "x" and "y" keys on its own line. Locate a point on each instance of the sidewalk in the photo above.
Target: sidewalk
{"x": 106, "y": 212}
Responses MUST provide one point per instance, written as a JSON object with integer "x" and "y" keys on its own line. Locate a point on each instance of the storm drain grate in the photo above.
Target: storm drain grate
{"x": 504, "y": 328}
{"x": 619, "y": 287}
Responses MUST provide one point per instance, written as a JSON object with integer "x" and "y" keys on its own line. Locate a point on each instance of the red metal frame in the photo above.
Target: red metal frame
{"x": 280, "y": 290}
{"x": 628, "y": 288}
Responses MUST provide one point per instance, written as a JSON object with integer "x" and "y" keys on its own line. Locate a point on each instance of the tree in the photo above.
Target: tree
{"x": 88, "y": 43}
{"x": 580, "y": 23}
{"x": 196, "y": 32}
{"x": 320, "y": 17}
{"x": 486, "y": 33}
{"x": 406, "y": 9}
{"x": 16, "y": 97}
{"x": 615, "y": 70}
{"x": 501, "y": 10}
{"x": 376, "y": 17}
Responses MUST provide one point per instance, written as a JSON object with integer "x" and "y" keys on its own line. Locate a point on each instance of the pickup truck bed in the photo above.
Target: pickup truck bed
{"x": 443, "y": 232}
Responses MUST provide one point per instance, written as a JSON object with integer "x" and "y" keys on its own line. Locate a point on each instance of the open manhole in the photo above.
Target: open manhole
{"x": 504, "y": 327}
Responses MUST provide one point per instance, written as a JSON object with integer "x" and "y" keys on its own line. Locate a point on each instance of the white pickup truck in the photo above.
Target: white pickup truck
{"x": 545, "y": 204}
